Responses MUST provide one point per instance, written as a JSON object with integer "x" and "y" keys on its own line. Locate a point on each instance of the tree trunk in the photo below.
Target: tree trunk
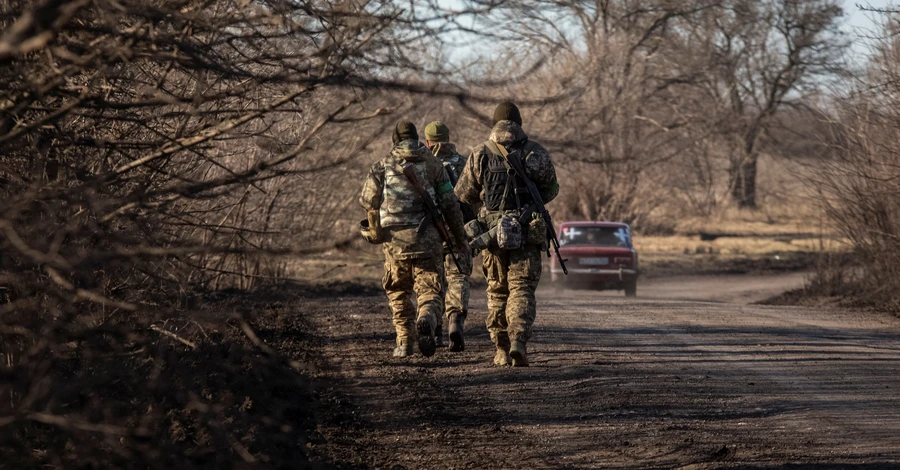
{"x": 743, "y": 169}
{"x": 743, "y": 181}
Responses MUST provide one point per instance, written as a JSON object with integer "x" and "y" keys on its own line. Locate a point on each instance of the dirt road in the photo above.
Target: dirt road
{"x": 732, "y": 288}
{"x": 618, "y": 383}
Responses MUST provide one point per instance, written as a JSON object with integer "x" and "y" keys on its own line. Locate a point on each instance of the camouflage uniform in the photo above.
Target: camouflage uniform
{"x": 512, "y": 275}
{"x": 413, "y": 247}
{"x": 456, "y": 301}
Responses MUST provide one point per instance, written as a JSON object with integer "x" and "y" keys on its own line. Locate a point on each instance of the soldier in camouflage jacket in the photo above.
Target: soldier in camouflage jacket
{"x": 512, "y": 275}
{"x": 412, "y": 246}
{"x": 456, "y": 302}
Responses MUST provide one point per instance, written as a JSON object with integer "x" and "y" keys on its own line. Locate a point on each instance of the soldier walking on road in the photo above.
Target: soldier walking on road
{"x": 456, "y": 302}
{"x": 412, "y": 230}
{"x": 516, "y": 234}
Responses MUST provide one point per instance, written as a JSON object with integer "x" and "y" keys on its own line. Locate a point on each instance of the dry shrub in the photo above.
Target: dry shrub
{"x": 859, "y": 189}
{"x": 859, "y": 181}
{"x": 148, "y": 152}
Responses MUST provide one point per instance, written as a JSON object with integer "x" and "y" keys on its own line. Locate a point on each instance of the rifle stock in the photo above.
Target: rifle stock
{"x": 437, "y": 217}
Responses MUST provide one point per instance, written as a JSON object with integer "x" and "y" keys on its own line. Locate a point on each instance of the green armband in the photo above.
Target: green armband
{"x": 445, "y": 188}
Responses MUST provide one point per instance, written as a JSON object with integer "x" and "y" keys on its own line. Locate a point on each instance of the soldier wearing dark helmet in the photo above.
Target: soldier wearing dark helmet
{"x": 399, "y": 218}
{"x": 456, "y": 302}
{"x": 512, "y": 259}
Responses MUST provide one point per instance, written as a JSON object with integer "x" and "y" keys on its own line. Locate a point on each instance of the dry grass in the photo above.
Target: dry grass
{"x": 789, "y": 231}
{"x": 733, "y": 246}
{"x": 777, "y": 220}
{"x": 788, "y": 206}
{"x": 660, "y": 255}
{"x": 786, "y": 234}
{"x": 681, "y": 254}
{"x": 781, "y": 237}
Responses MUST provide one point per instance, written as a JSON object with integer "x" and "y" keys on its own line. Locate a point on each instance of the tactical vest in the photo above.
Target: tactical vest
{"x": 401, "y": 205}
{"x": 502, "y": 188}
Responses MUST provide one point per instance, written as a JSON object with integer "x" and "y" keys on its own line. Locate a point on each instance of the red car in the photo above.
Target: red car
{"x": 599, "y": 255}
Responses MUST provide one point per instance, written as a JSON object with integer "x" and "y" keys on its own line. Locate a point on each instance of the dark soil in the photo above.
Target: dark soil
{"x": 147, "y": 400}
{"x": 613, "y": 383}
{"x": 616, "y": 383}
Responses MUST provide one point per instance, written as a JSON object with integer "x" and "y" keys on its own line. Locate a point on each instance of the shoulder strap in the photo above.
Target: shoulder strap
{"x": 448, "y": 170}
{"x": 446, "y": 188}
{"x": 498, "y": 149}
{"x": 495, "y": 148}
{"x": 400, "y": 168}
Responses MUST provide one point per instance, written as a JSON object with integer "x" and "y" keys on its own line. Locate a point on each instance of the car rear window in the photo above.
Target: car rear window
{"x": 593, "y": 235}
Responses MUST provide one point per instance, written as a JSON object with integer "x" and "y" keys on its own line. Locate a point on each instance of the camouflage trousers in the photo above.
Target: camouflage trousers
{"x": 512, "y": 277}
{"x": 456, "y": 285}
{"x": 415, "y": 289}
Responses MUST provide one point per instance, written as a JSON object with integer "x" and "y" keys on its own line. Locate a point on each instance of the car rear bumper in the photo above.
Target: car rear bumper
{"x": 621, "y": 273}
{"x": 594, "y": 278}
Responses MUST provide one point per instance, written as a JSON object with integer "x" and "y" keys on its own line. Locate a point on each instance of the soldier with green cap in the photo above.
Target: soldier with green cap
{"x": 413, "y": 250}
{"x": 456, "y": 302}
{"x": 512, "y": 259}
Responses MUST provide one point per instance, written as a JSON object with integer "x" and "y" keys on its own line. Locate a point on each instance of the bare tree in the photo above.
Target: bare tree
{"x": 665, "y": 84}
{"x": 632, "y": 105}
{"x": 766, "y": 55}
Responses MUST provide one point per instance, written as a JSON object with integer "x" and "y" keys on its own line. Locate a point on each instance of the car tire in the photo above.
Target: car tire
{"x": 631, "y": 289}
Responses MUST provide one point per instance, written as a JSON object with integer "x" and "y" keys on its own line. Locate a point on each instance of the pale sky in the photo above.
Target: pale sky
{"x": 861, "y": 28}
{"x": 859, "y": 24}
{"x": 858, "y": 19}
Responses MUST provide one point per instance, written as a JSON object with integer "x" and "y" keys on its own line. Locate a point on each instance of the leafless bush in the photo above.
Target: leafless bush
{"x": 148, "y": 149}
{"x": 858, "y": 181}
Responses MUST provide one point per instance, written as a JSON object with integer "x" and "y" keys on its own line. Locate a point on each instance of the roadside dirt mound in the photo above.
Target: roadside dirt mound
{"x": 192, "y": 394}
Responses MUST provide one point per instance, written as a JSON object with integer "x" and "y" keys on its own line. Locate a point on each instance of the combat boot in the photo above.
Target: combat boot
{"x": 403, "y": 349}
{"x": 426, "y": 337}
{"x": 439, "y": 336}
{"x": 457, "y": 343}
{"x": 519, "y": 354}
{"x": 501, "y": 358}
{"x": 501, "y": 340}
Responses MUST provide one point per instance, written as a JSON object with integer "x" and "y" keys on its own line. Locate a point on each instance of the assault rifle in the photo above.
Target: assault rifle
{"x": 516, "y": 163}
{"x": 409, "y": 170}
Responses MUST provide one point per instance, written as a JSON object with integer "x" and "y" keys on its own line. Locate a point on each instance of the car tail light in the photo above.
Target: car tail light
{"x": 624, "y": 260}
